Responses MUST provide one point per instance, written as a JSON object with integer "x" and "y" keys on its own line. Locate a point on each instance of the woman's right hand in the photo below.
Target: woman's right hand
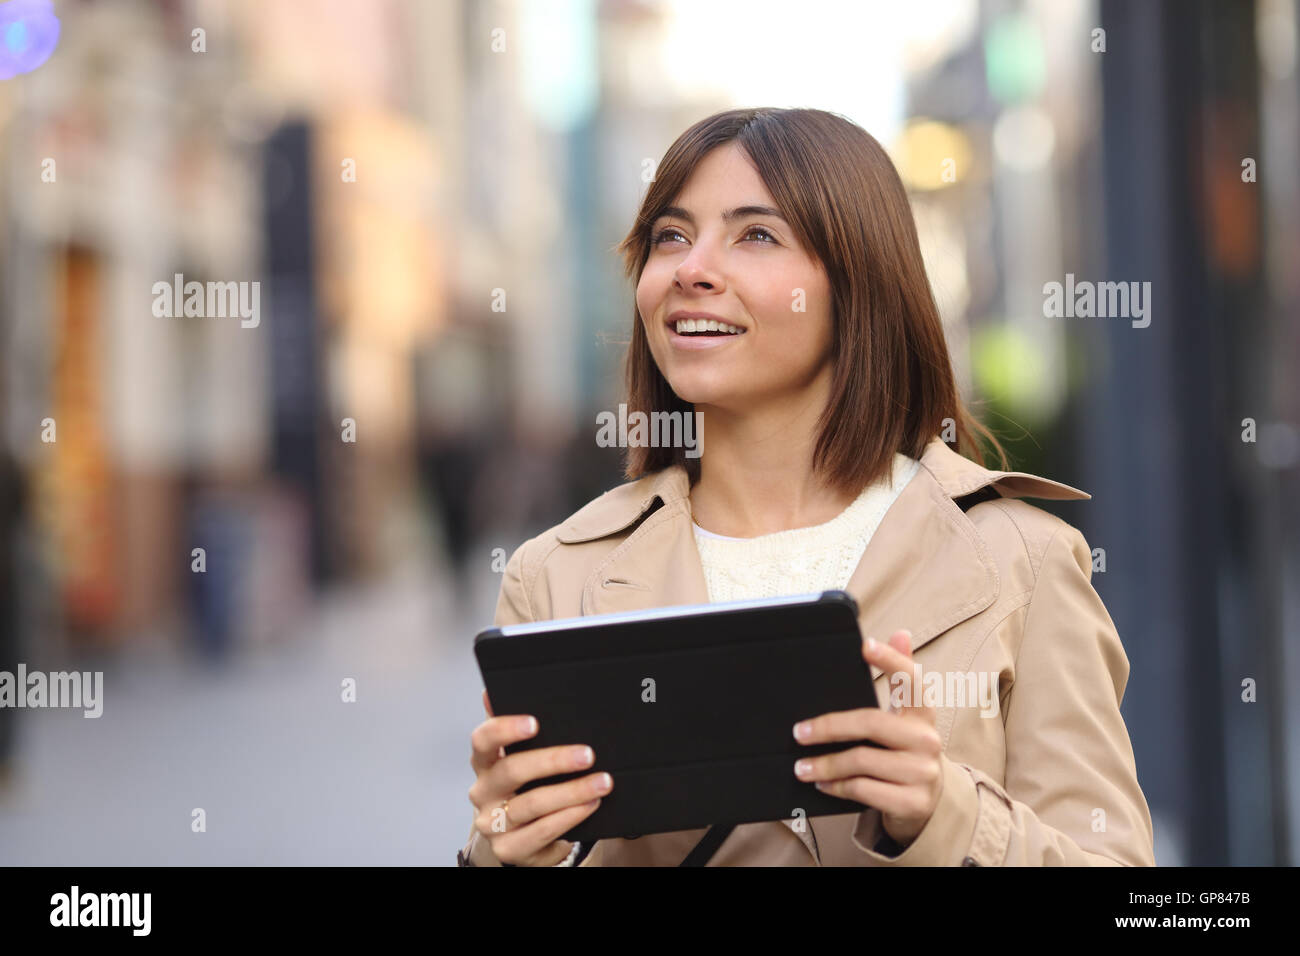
{"x": 534, "y": 820}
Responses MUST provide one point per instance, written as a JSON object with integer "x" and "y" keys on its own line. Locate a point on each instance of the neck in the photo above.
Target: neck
{"x": 756, "y": 474}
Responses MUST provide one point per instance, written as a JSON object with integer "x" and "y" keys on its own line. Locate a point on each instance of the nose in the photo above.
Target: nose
{"x": 698, "y": 271}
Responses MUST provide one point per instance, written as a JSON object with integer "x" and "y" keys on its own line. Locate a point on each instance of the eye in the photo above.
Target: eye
{"x": 662, "y": 235}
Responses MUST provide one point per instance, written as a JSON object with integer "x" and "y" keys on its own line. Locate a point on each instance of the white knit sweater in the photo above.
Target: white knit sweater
{"x": 801, "y": 560}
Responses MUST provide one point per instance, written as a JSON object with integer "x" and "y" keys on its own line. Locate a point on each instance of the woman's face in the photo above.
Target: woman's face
{"x": 747, "y": 271}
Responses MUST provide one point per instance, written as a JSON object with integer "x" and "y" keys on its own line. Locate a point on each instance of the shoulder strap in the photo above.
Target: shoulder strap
{"x": 708, "y": 845}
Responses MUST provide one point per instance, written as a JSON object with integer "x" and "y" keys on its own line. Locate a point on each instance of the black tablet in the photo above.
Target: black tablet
{"x": 688, "y": 708}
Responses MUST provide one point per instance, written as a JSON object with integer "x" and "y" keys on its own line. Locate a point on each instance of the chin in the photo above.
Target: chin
{"x": 698, "y": 393}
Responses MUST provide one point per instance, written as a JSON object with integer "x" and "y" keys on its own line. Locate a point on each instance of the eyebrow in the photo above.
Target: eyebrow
{"x": 728, "y": 215}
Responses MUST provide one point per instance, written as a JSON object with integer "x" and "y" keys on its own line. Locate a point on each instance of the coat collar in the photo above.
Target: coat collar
{"x": 955, "y": 475}
{"x": 926, "y": 568}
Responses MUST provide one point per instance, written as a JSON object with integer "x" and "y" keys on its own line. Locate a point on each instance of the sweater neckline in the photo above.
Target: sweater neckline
{"x": 847, "y": 521}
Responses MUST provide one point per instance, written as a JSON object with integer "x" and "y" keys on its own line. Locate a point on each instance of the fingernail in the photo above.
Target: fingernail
{"x": 820, "y": 786}
{"x": 802, "y": 768}
{"x": 528, "y": 725}
{"x": 871, "y": 643}
{"x": 802, "y": 730}
{"x": 604, "y": 782}
{"x": 583, "y": 756}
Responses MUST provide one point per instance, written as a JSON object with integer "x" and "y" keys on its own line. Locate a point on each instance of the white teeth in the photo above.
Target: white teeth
{"x": 706, "y": 325}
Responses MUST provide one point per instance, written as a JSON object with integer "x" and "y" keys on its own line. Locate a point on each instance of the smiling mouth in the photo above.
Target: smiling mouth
{"x": 703, "y": 327}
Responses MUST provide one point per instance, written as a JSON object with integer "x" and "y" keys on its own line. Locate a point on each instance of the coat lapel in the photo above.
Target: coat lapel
{"x": 925, "y": 569}
{"x": 626, "y": 580}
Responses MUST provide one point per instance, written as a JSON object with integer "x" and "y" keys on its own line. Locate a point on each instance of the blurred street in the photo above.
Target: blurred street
{"x": 287, "y": 773}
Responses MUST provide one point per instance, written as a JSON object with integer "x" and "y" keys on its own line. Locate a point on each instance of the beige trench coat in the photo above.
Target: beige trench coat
{"x": 1003, "y": 588}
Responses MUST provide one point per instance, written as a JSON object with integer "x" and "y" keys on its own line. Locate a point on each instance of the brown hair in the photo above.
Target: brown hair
{"x": 843, "y": 198}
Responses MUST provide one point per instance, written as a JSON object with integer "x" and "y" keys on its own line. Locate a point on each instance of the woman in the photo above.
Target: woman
{"x": 780, "y": 293}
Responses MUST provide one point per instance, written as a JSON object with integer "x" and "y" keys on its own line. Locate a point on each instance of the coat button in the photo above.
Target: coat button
{"x": 969, "y": 861}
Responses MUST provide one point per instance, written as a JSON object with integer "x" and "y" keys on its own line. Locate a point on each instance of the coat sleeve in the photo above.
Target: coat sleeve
{"x": 1070, "y": 795}
{"x": 513, "y": 607}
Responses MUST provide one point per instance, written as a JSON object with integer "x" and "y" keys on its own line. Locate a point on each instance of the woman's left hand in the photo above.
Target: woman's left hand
{"x": 904, "y": 779}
